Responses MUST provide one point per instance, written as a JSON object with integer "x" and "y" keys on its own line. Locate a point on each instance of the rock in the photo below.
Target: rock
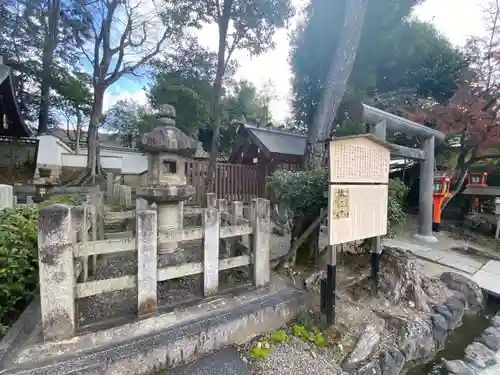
{"x": 457, "y": 309}
{"x": 400, "y": 279}
{"x": 445, "y": 312}
{"x": 491, "y": 338}
{"x": 460, "y": 296}
{"x": 371, "y": 368}
{"x": 416, "y": 340}
{"x": 479, "y": 355}
{"x": 391, "y": 362}
{"x": 464, "y": 285}
{"x": 491, "y": 341}
{"x": 495, "y": 321}
{"x": 364, "y": 346}
{"x": 458, "y": 367}
{"x": 439, "y": 329}
{"x": 492, "y": 331}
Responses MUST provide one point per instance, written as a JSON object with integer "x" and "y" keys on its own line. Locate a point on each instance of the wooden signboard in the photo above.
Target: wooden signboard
{"x": 358, "y": 191}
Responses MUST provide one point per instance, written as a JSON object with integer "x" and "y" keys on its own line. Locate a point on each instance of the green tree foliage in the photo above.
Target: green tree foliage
{"x": 394, "y": 53}
{"x": 27, "y": 28}
{"x": 18, "y": 261}
{"x": 127, "y": 120}
{"x": 185, "y": 78}
{"x": 241, "y": 25}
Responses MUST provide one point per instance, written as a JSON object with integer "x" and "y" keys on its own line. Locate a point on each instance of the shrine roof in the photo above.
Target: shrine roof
{"x": 278, "y": 142}
{"x": 485, "y": 191}
{"x": 15, "y": 125}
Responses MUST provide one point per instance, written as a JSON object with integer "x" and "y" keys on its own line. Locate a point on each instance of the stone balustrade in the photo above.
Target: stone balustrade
{"x": 61, "y": 248}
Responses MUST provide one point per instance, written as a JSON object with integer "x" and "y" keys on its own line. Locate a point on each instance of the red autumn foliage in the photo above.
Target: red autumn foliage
{"x": 470, "y": 121}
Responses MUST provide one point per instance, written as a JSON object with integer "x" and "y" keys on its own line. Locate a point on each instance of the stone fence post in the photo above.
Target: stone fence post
{"x": 109, "y": 186}
{"x": 236, "y": 216}
{"x": 211, "y": 251}
{"x": 127, "y": 196}
{"x": 56, "y": 237}
{"x": 211, "y": 200}
{"x": 6, "y": 196}
{"x": 260, "y": 215}
{"x": 147, "y": 262}
{"x": 141, "y": 204}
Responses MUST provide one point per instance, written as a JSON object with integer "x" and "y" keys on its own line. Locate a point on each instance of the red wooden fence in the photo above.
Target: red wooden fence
{"x": 233, "y": 182}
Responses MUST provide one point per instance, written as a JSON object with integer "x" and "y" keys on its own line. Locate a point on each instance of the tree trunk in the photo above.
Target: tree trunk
{"x": 308, "y": 252}
{"x": 217, "y": 90}
{"x": 78, "y": 131}
{"x": 338, "y": 75}
{"x": 49, "y": 45}
{"x": 462, "y": 174}
{"x": 93, "y": 154}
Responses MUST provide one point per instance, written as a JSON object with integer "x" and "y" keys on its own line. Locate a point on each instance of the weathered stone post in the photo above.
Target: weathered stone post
{"x": 56, "y": 236}
{"x": 211, "y": 200}
{"x": 224, "y": 244}
{"x": 211, "y": 251}
{"x": 141, "y": 204}
{"x": 127, "y": 196}
{"x": 167, "y": 149}
{"x": 147, "y": 263}
{"x": 260, "y": 214}
{"x": 6, "y": 196}
{"x": 109, "y": 186}
{"x": 236, "y": 216}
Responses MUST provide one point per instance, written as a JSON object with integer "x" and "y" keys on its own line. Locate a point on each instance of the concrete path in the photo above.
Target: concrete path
{"x": 224, "y": 362}
{"x": 486, "y": 273}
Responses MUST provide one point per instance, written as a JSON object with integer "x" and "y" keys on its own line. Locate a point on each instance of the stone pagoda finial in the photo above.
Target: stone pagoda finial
{"x": 166, "y": 115}
{"x": 166, "y": 138}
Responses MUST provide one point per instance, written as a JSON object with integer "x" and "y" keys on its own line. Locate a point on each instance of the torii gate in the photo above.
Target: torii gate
{"x": 379, "y": 122}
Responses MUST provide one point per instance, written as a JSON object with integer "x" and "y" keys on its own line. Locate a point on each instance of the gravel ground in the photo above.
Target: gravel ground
{"x": 297, "y": 357}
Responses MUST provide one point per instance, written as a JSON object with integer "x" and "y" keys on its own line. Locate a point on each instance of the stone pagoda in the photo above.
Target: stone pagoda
{"x": 168, "y": 149}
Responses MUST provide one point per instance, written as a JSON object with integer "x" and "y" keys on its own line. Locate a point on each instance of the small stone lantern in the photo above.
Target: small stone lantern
{"x": 44, "y": 185}
{"x": 167, "y": 149}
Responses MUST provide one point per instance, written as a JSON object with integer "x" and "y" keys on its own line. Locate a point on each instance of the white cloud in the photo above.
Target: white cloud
{"x": 456, "y": 19}
{"x": 111, "y": 97}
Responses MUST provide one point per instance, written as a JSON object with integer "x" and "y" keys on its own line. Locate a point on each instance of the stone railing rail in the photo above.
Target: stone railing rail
{"x": 59, "y": 251}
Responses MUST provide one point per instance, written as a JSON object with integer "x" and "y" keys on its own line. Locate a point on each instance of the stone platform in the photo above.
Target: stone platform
{"x": 160, "y": 342}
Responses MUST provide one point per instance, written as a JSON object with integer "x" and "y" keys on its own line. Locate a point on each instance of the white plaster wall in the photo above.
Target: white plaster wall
{"x": 55, "y": 153}
{"x": 50, "y": 150}
{"x": 133, "y": 161}
{"x": 80, "y": 161}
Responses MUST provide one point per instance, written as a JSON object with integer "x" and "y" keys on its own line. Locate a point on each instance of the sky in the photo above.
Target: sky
{"x": 456, "y": 19}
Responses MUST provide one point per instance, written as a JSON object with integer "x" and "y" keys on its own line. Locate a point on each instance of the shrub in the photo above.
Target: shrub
{"x": 72, "y": 200}
{"x": 19, "y": 256}
{"x": 398, "y": 192}
{"x": 302, "y": 193}
{"x": 18, "y": 259}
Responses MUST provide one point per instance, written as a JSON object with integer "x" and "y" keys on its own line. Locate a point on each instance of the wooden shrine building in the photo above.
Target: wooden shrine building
{"x": 18, "y": 146}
